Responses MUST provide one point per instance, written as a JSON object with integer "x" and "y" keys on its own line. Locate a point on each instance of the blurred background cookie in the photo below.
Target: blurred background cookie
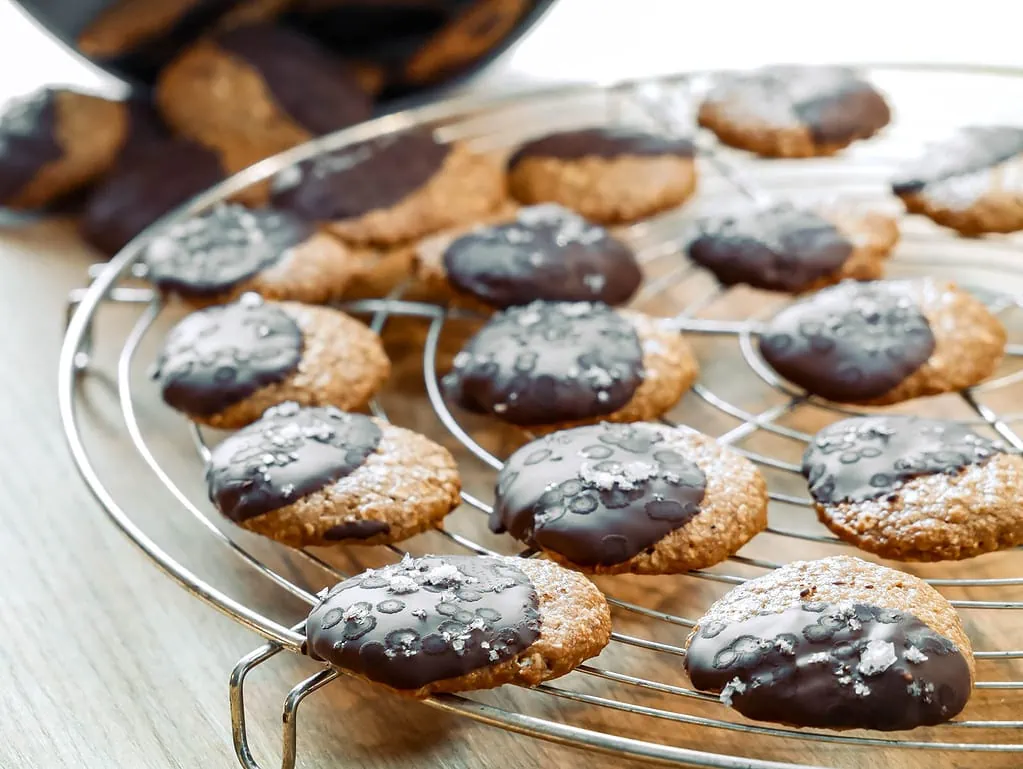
{"x": 793, "y": 111}
{"x": 641, "y": 498}
{"x": 884, "y": 341}
{"x": 783, "y": 247}
{"x": 972, "y": 181}
{"x": 607, "y": 174}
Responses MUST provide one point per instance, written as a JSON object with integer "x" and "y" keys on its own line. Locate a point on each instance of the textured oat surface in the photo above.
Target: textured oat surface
{"x": 409, "y": 482}
{"x": 343, "y": 364}
{"x": 841, "y": 579}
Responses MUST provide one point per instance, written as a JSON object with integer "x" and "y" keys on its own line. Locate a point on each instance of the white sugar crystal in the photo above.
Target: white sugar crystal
{"x": 637, "y": 472}
{"x": 861, "y": 689}
{"x": 442, "y": 574}
{"x": 462, "y": 360}
{"x": 399, "y": 583}
{"x": 286, "y": 409}
{"x": 733, "y": 687}
{"x": 598, "y": 377}
{"x": 419, "y": 613}
{"x": 818, "y": 659}
{"x": 913, "y": 689}
{"x": 598, "y": 478}
{"x": 528, "y": 318}
{"x": 914, "y": 655}
{"x": 594, "y": 282}
{"x": 288, "y": 489}
{"x": 784, "y": 645}
{"x": 493, "y": 656}
{"x": 407, "y": 562}
{"x": 845, "y": 680}
{"x": 355, "y": 613}
{"x": 250, "y": 299}
{"x": 536, "y": 258}
{"x": 576, "y": 309}
{"x": 876, "y": 657}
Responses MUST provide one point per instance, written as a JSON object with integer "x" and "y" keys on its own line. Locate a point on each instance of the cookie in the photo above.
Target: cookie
{"x": 641, "y": 498}
{"x": 793, "y": 111}
{"x": 320, "y": 476}
{"x": 915, "y": 489}
{"x": 145, "y": 186}
{"x": 884, "y": 342}
{"x": 54, "y": 142}
{"x": 253, "y": 91}
{"x": 837, "y": 643}
{"x": 548, "y": 365}
{"x": 219, "y": 255}
{"x": 448, "y": 623}
{"x": 391, "y": 189}
{"x": 541, "y": 252}
{"x": 225, "y": 365}
{"x": 782, "y": 247}
{"x": 970, "y": 182}
{"x": 609, "y": 174}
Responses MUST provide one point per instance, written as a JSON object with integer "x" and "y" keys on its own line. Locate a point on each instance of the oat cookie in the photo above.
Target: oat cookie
{"x": 320, "y": 476}
{"x": 548, "y": 365}
{"x": 447, "y": 623}
{"x": 916, "y": 489}
{"x": 782, "y": 247}
{"x": 837, "y": 643}
{"x": 230, "y": 250}
{"x": 642, "y": 498}
{"x": 794, "y": 111}
{"x": 884, "y": 342}
{"x": 392, "y": 189}
{"x": 225, "y": 365}
{"x": 609, "y": 175}
{"x": 53, "y": 142}
{"x": 256, "y": 90}
{"x": 539, "y": 252}
{"x": 972, "y": 181}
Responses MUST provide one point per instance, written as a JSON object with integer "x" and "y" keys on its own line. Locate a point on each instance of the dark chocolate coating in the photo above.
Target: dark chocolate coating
{"x": 28, "y": 141}
{"x": 547, "y": 253}
{"x": 850, "y": 342}
{"x": 364, "y": 177}
{"x": 143, "y": 187}
{"x": 607, "y": 142}
{"x": 780, "y": 248}
{"x": 316, "y": 90}
{"x": 216, "y": 250}
{"x": 289, "y": 453}
{"x": 837, "y": 666}
{"x": 217, "y": 357}
{"x": 598, "y": 494}
{"x": 549, "y": 362}
{"x": 870, "y": 457}
{"x": 356, "y": 530}
{"x": 970, "y": 149}
{"x": 426, "y": 619}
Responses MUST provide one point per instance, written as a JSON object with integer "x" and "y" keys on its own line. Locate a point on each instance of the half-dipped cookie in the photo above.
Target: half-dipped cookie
{"x": 230, "y": 250}
{"x": 642, "y": 498}
{"x": 225, "y": 365}
{"x": 793, "y": 111}
{"x": 915, "y": 489}
{"x": 837, "y": 643}
{"x": 256, "y": 90}
{"x": 609, "y": 174}
{"x": 391, "y": 189}
{"x": 971, "y": 181}
{"x": 446, "y": 623}
{"x": 884, "y": 341}
{"x": 540, "y": 252}
{"x": 320, "y": 476}
{"x": 787, "y": 248}
{"x": 54, "y": 142}
{"x": 548, "y": 365}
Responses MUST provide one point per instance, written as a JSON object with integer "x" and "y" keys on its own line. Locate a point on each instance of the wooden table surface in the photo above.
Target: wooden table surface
{"x": 106, "y": 663}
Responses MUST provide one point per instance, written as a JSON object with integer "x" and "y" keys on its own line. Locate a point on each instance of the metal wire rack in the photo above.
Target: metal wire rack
{"x": 739, "y": 399}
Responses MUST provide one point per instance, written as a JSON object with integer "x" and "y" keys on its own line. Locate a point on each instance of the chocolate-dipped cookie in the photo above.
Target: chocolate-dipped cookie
{"x": 549, "y": 365}
{"x": 256, "y": 90}
{"x": 53, "y": 142}
{"x": 320, "y": 476}
{"x": 885, "y": 341}
{"x": 642, "y": 498}
{"x": 539, "y": 252}
{"x": 782, "y": 247}
{"x": 225, "y": 365}
{"x": 972, "y": 181}
{"x": 915, "y": 489}
{"x": 392, "y": 189}
{"x": 447, "y": 623}
{"x": 794, "y": 111}
{"x": 229, "y": 250}
{"x": 609, "y": 174}
{"x": 835, "y": 644}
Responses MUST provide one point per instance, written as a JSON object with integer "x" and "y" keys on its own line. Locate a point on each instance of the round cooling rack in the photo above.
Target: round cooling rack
{"x": 145, "y": 464}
